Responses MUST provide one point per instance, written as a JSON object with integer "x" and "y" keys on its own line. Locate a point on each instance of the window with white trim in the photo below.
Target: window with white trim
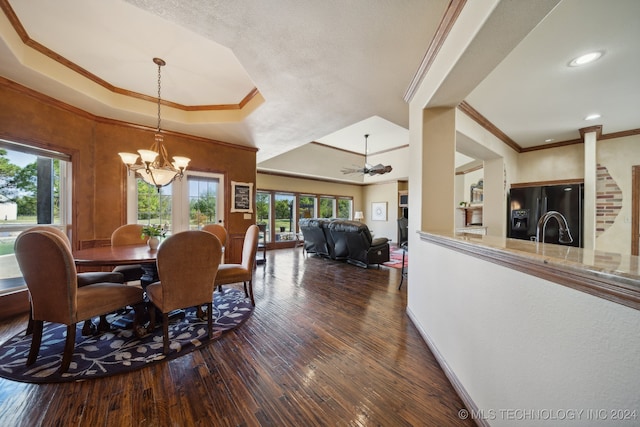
{"x": 35, "y": 188}
{"x": 185, "y": 204}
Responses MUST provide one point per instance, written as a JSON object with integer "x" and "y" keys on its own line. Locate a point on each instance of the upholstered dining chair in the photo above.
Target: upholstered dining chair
{"x": 128, "y": 234}
{"x": 243, "y": 272}
{"x": 220, "y": 232}
{"x": 84, "y": 278}
{"x": 49, "y": 271}
{"x": 187, "y": 266}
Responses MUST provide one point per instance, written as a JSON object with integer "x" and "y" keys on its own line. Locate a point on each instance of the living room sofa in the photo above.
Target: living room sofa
{"x": 315, "y": 236}
{"x": 341, "y": 239}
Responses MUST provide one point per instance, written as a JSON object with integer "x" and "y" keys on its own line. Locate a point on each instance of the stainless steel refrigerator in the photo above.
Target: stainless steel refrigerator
{"x": 528, "y": 204}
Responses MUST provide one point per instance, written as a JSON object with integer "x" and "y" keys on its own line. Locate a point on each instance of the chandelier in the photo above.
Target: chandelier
{"x": 154, "y": 167}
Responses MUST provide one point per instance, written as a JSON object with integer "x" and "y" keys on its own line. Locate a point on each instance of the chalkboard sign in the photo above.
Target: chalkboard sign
{"x": 242, "y": 197}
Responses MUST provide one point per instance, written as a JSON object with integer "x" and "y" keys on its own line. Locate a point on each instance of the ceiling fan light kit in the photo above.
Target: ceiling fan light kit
{"x": 368, "y": 169}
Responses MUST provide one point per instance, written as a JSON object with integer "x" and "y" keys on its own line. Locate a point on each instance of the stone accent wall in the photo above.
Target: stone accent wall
{"x": 608, "y": 200}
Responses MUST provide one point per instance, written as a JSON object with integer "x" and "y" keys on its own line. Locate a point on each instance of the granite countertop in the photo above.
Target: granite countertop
{"x": 611, "y": 273}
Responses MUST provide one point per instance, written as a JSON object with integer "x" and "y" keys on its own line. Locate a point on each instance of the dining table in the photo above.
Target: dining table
{"x": 102, "y": 256}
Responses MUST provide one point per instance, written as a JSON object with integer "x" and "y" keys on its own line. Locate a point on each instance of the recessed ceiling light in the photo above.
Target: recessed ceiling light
{"x": 592, "y": 117}
{"x": 585, "y": 59}
{"x": 549, "y": 140}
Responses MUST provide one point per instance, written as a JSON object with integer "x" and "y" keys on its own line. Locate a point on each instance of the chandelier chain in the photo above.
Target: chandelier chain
{"x": 159, "y": 99}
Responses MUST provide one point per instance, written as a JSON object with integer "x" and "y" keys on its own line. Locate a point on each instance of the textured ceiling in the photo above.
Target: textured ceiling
{"x": 327, "y": 71}
{"x": 320, "y": 66}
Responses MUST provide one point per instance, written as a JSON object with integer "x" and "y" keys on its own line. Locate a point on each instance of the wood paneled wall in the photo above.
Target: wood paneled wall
{"x": 99, "y": 177}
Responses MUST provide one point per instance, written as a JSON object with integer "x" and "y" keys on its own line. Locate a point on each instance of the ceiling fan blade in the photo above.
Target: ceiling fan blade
{"x": 368, "y": 169}
{"x": 379, "y": 170}
{"x": 348, "y": 171}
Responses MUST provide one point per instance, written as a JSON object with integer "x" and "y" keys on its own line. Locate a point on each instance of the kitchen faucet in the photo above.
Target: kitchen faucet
{"x": 563, "y": 230}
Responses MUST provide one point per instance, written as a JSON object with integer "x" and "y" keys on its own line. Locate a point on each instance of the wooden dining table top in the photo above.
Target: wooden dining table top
{"x": 115, "y": 255}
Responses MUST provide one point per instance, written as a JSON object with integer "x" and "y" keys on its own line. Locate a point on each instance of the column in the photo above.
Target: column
{"x": 438, "y": 169}
{"x": 590, "y": 137}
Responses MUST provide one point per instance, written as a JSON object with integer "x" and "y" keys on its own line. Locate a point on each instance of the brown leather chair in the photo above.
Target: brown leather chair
{"x": 128, "y": 234}
{"x": 187, "y": 266}
{"x": 236, "y": 273}
{"x": 220, "y": 232}
{"x": 217, "y": 230}
{"x": 85, "y": 278}
{"x": 49, "y": 271}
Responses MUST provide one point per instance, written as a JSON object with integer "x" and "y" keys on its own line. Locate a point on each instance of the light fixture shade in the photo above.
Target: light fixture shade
{"x": 157, "y": 177}
{"x": 128, "y": 158}
{"x": 358, "y": 215}
{"x": 148, "y": 156}
{"x": 181, "y": 162}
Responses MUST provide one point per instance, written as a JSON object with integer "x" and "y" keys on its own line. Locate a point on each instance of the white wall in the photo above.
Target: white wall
{"x": 551, "y": 164}
{"x": 470, "y": 178}
{"x": 500, "y": 170}
{"x": 384, "y": 192}
{"x": 517, "y": 342}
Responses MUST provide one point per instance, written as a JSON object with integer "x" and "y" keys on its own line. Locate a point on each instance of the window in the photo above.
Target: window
{"x": 263, "y": 211}
{"x": 154, "y": 207}
{"x": 285, "y": 220}
{"x": 203, "y": 201}
{"x": 327, "y": 207}
{"x": 307, "y": 207}
{"x": 344, "y": 208}
{"x": 280, "y": 211}
{"x": 34, "y": 189}
{"x": 186, "y": 204}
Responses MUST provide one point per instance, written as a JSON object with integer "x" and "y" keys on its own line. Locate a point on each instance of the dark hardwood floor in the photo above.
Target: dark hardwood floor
{"x": 329, "y": 344}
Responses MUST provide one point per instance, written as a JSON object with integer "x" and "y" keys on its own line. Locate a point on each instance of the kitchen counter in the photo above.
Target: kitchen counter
{"x": 611, "y": 276}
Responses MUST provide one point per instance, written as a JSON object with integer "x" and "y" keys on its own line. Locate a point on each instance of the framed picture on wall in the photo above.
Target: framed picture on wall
{"x": 242, "y": 197}
{"x": 379, "y": 211}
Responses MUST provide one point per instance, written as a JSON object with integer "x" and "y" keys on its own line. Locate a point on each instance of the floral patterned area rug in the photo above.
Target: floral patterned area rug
{"x": 119, "y": 350}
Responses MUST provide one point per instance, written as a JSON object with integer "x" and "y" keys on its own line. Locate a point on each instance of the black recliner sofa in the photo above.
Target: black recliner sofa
{"x": 363, "y": 249}
{"x": 315, "y": 233}
{"x": 341, "y": 239}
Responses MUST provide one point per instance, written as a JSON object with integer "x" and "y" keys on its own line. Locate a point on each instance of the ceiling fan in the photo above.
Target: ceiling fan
{"x": 368, "y": 169}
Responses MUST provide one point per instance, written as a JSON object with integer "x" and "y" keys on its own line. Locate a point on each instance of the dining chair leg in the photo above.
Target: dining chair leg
{"x": 165, "y": 333}
{"x": 69, "y": 344}
{"x": 29, "y": 330}
{"x": 253, "y": 302}
{"x": 138, "y": 320}
{"x": 36, "y": 339}
{"x": 210, "y": 319}
{"x": 152, "y": 317}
